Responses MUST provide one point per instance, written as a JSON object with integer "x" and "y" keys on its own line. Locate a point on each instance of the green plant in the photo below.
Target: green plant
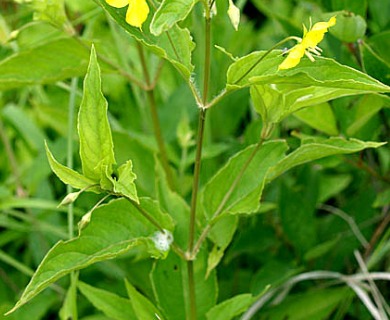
{"x": 169, "y": 202}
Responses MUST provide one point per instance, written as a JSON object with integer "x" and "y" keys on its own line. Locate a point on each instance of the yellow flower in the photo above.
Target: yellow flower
{"x": 137, "y": 12}
{"x": 308, "y": 44}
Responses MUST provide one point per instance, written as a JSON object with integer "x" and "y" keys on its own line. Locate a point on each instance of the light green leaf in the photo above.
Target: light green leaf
{"x": 221, "y": 234}
{"x": 367, "y": 107}
{"x": 114, "y": 229}
{"x": 169, "y": 280}
{"x": 53, "y": 61}
{"x": 52, "y": 11}
{"x": 125, "y": 184}
{"x": 319, "y": 117}
{"x": 276, "y": 102}
{"x": 382, "y": 199}
{"x": 96, "y": 146}
{"x": 69, "y": 306}
{"x": 319, "y": 148}
{"x": 175, "y": 46}
{"x": 246, "y": 195}
{"x": 231, "y": 308}
{"x": 323, "y": 72}
{"x": 69, "y": 176}
{"x": 112, "y": 305}
{"x": 143, "y": 308}
{"x": 169, "y": 13}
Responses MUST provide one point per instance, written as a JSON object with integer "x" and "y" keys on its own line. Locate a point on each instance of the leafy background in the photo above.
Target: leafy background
{"x": 313, "y": 218}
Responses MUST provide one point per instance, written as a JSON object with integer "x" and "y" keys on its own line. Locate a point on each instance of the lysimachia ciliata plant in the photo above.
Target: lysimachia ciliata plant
{"x": 187, "y": 237}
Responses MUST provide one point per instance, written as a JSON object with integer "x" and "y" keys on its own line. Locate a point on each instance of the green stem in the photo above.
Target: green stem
{"x": 155, "y": 120}
{"x": 69, "y": 189}
{"x": 191, "y": 290}
{"x": 195, "y": 185}
{"x": 207, "y": 60}
{"x": 198, "y": 159}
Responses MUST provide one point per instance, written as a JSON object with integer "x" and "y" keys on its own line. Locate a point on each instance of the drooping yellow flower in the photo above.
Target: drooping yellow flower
{"x": 137, "y": 12}
{"x": 308, "y": 44}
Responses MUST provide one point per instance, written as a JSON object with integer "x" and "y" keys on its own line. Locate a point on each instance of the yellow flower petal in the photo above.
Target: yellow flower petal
{"x": 308, "y": 44}
{"x": 295, "y": 55}
{"x": 316, "y": 34}
{"x": 137, "y": 13}
{"x": 118, "y": 3}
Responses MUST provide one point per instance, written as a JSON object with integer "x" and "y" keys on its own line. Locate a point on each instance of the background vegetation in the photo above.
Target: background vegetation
{"x": 330, "y": 215}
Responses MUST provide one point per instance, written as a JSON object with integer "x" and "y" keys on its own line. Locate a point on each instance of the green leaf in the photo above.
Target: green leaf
{"x": 169, "y": 279}
{"x": 114, "y": 229}
{"x": 96, "y": 146}
{"x": 143, "y": 308}
{"x": 69, "y": 306}
{"x": 69, "y": 176}
{"x": 175, "y": 46}
{"x": 221, "y": 234}
{"x": 382, "y": 199}
{"x": 375, "y": 60}
{"x": 169, "y": 13}
{"x": 367, "y": 107}
{"x": 231, "y": 308}
{"x": 246, "y": 195}
{"x": 53, "y": 61}
{"x": 112, "y": 305}
{"x": 276, "y": 102}
{"x": 319, "y": 117}
{"x": 323, "y": 73}
{"x": 125, "y": 184}
{"x": 174, "y": 204}
{"x": 52, "y": 11}
{"x": 319, "y": 148}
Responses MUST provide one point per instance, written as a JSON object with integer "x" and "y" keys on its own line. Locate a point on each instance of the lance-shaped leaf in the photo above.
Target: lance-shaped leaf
{"x": 110, "y": 304}
{"x": 169, "y": 13}
{"x": 323, "y": 72}
{"x": 143, "y": 307}
{"x": 114, "y": 229}
{"x": 176, "y": 45}
{"x": 276, "y": 101}
{"x": 96, "y": 146}
{"x": 69, "y": 176}
{"x": 245, "y": 197}
{"x": 53, "y": 61}
{"x": 231, "y": 308}
{"x": 314, "y": 149}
